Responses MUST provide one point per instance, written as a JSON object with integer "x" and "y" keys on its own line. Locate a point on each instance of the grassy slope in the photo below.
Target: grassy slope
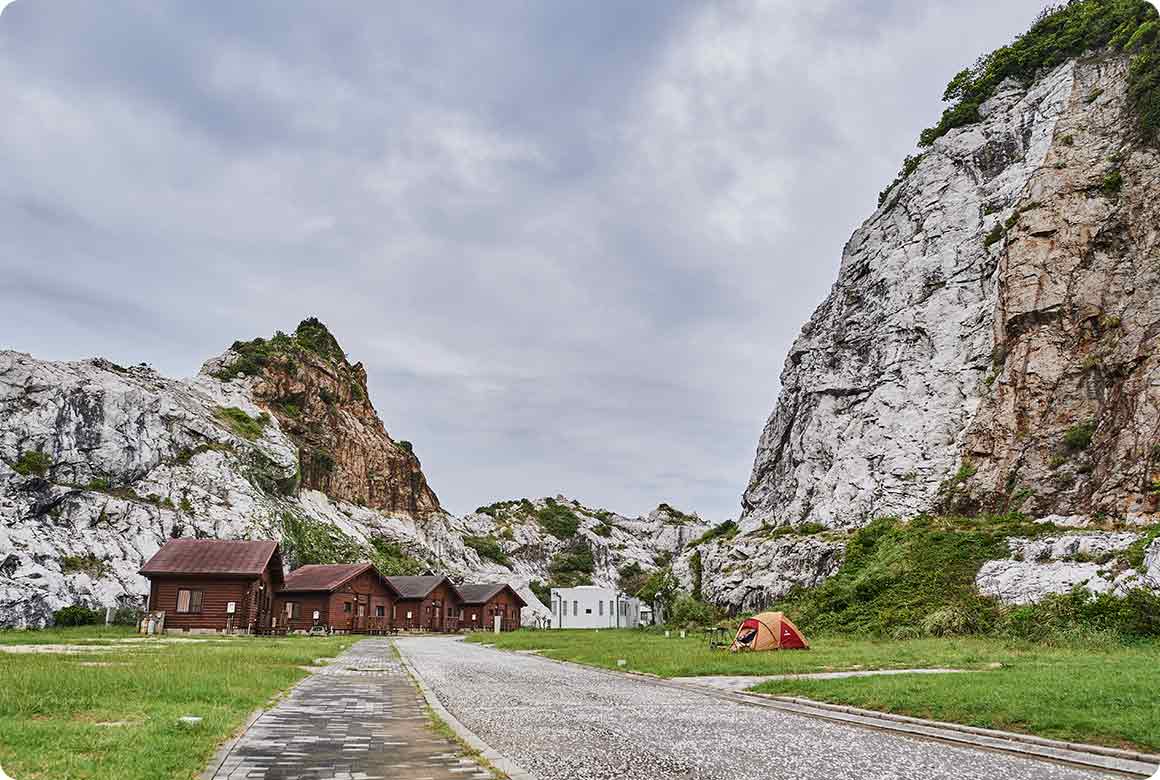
{"x": 1104, "y": 694}
{"x": 55, "y": 709}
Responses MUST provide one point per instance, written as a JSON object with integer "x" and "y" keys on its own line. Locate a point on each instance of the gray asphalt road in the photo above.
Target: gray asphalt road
{"x": 563, "y": 722}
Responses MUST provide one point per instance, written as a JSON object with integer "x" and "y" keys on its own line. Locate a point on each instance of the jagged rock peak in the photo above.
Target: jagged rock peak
{"x": 990, "y": 342}
{"x": 321, "y": 401}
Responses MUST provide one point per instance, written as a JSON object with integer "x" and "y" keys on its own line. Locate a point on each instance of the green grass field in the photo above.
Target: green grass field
{"x": 674, "y": 657}
{"x": 110, "y": 712}
{"x": 1103, "y": 694}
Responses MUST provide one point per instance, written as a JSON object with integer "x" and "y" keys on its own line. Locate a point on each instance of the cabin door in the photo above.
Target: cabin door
{"x": 362, "y": 608}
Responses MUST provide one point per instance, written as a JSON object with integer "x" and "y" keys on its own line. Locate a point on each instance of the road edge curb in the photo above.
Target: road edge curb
{"x": 497, "y": 759}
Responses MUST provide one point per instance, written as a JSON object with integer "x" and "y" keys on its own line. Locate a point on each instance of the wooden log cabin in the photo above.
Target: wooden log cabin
{"x": 426, "y": 603}
{"x": 214, "y": 585}
{"x": 483, "y": 603}
{"x": 353, "y": 598}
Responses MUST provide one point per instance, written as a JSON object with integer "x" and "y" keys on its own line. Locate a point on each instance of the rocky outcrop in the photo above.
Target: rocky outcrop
{"x": 751, "y": 572}
{"x": 561, "y": 541}
{"x": 990, "y": 344}
{"x": 321, "y": 402}
{"x": 1054, "y": 565}
{"x": 100, "y": 464}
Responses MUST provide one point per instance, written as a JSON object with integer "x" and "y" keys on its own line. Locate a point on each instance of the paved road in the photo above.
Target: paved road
{"x": 562, "y": 722}
{"x": 361, "y": 718}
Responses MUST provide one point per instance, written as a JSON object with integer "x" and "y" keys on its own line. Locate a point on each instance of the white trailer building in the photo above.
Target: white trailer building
{"x": 590, "y": 606}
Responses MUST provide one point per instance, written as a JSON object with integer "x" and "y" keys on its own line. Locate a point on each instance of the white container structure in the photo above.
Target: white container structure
{"x": 590, "y": 606}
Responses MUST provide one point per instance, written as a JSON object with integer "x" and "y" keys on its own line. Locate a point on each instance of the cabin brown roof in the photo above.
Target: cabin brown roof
{"x": 480, "y": 593}
{"x": 212, "y": 556}
{"x": 325, "y": 577}
{"x": 417, "y": 587}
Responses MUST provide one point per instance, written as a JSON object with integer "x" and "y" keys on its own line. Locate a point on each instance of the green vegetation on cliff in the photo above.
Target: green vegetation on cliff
{"x": 306, "y": 541}
{"x": 311, "y": 336}
{"x": 1061, "y": 33}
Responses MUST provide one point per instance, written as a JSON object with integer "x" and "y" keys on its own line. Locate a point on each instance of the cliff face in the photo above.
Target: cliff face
{"x": 997, "y": 309}
{"x": 321, "y": 401}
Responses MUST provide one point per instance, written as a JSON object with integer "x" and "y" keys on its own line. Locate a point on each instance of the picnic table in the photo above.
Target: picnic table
{"x": 718, "y": 637}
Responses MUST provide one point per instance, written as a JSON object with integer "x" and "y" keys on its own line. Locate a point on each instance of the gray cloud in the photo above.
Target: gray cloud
{"x": 571, "y": 241}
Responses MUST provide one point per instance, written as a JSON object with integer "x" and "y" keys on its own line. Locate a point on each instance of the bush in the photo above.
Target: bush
{"x": 488, "y": 548}
{"x": 1079, "y": 437}
{"x": 906, "y": 633}
{"x": 631, "y": 578}
{"x": 392, "y": 560}
{"x": 1112, "y": 184}
{"x": 572, "y": 566}
{"x": 127, "y": 616}
{"x": 32, "y": 463}
{"x": 688, "y": 612}
{"x": 726, "y": 530}
{"x": 77, "y": 615}
{"x": 950, "y": 621}
{"x": 560, "y": 521}
{"x": 1080, "y": 614}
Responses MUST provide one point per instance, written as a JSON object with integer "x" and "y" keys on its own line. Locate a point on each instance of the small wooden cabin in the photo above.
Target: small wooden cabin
{"x": 426, "y": 603}
{"x": 483, "y": 603}
{"x": 350, "y": 597}
{"x": 214, "y": 585}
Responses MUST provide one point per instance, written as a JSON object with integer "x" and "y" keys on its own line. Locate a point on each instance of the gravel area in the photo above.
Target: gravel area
{"x": 562, "y": 722}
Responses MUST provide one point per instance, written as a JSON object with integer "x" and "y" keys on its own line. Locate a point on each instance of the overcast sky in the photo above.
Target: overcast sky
{"x": 570, "y": 241}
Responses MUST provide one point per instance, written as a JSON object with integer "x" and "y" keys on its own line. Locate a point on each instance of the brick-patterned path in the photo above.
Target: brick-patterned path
{"x": 361, "y": 718}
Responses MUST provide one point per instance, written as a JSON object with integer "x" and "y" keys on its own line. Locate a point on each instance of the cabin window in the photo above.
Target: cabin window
{"x": 600, "y": 605}
{"x": 362, "y": 610}
{"x": 575, "y": 608}
{"x": 189, "y": 601}
{"x": 293, "y": 609}
{"x": 346, "y": 607}
{"x": 474, "y": 616}
{"x": 587, "y": 612}
{"x": 380, "y": 611}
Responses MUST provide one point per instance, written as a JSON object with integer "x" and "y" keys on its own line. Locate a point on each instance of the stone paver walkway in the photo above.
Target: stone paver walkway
{"x": 745, "y": 682}
{"x": 565, "y": 722}
{"x": 361, "y": 718}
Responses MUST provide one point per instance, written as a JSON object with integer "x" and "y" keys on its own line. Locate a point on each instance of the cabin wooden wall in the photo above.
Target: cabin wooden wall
{"x": 366, "y": 589}
{"x": 217, "y": 593}
{"x": 447, "y": 618}
{"x": 504, "y": 603}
